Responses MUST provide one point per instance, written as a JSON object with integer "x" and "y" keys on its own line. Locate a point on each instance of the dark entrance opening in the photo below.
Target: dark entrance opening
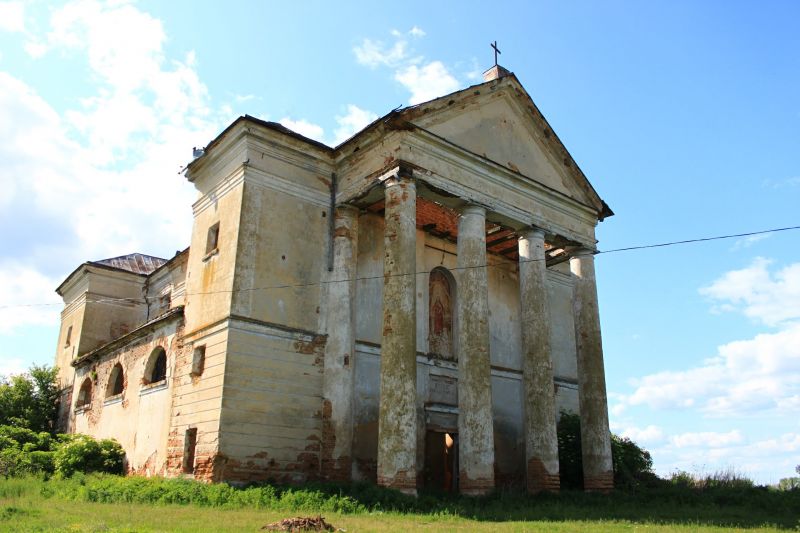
{"x": 441, "y": 461}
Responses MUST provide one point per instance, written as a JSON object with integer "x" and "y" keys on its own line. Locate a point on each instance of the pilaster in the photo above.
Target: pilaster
{"x": 337, "y": 406}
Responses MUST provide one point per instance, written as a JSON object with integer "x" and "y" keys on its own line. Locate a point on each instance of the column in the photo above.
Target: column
{"x": 598, "y": 472}
{"x": 337, "y": 406}
{"x": 397, "y": 424}
{"x": 475, "y": 427}
{"x": 541, "y": 439}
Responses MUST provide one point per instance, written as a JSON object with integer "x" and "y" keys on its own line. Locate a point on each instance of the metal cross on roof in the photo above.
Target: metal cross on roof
{"x": 496, "y": 51}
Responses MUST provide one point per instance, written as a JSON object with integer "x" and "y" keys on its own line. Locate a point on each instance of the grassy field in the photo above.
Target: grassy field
{"x": 78, "y": 505}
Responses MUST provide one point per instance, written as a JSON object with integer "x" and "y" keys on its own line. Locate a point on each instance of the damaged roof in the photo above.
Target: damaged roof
{"x": 136, "y": 263}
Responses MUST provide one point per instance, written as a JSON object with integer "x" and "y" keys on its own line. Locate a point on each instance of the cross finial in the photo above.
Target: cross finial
{"x": 496, "y": 51}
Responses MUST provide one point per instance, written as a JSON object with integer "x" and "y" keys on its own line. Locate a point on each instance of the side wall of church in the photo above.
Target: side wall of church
{"x": 139, "y": 417}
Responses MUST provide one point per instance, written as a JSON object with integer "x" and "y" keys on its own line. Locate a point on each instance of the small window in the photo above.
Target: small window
{"x": 213, "y": 239}
{"x": 156, "y": 369}
{"x": 116, "y": 381}
{"x": 189, "y": 445}
{"x": 68, "y": 341}
{"x": 84, "y": 395}
{"x": 198, "y": 360}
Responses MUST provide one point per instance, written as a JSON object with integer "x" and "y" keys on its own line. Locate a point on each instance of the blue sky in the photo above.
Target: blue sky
{"x": 684, "y": 115}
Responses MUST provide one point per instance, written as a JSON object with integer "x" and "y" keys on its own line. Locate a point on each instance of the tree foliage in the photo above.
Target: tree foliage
{"x": 29, "y": 400}
{"x": 633, "y": 465}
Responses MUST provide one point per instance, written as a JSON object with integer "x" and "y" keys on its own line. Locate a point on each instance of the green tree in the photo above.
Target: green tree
{"x": 633, "y": 465}
{"x": 29, "y": 400}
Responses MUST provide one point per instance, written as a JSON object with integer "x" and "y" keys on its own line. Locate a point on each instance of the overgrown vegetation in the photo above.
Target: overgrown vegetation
{"x": 673, "y": 503}
{"x": 30, "y": 400}
{"x": 77, "y": 468}
{"x": 790, "y": 483}
{"x": 26, "y": 452}
{"x": 633, "y": 465}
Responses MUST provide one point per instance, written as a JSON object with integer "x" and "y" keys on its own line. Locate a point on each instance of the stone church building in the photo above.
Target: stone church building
{"x": 413, "y": 307}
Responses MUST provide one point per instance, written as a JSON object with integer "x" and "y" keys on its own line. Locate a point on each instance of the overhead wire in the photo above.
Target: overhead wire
{"x": 384, "y": 276}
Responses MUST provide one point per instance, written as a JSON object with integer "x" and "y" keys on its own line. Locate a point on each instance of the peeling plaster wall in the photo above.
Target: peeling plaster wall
{"x": 139, "y": 418}
{"x": 366, "y": 405}
{"x": 271, "y": 410}
{"x": 197, "y": 402}
{"x": 282, "y": 252}
{"x": 509, "y": 436}
{"x": 209, "y": 277}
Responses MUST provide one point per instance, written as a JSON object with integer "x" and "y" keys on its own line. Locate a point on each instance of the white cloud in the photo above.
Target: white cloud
{"x": 749, "y": 376}
{"x": 707, "y": 453}
{"x": 374, "y": 53}
{"x": 746, "y": 376}
{"x": 12, "y": 366}
{"x": 352, "y": 122}
{"x": 416, "y": 31}
{"x": 27, "y": 298}
{"x": 100, "y": 180}
{"x": 12, "y": 16}
{"x": 749, "y": 241}
{"x": 770, "y": 298}
{"x": 426, "y": 82}
{"x": 649, "y": 435}
{"x": 305, "y": 128}
{"x": 425, "y": 79}
{"x": 708, "y": 439}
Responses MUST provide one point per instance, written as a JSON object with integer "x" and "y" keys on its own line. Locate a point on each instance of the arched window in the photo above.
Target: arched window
{"x": 441, "y": 300}
{"x": 116, "y": 381}
{"x": 156, "y": 369}
{"x": 85, "y": 394}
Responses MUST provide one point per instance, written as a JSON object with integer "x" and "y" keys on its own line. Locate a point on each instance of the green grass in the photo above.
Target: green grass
{"x": 109, "y": 503}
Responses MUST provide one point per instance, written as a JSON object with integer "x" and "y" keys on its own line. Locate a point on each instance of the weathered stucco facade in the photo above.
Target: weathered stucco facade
{"x": 412, "y": 307}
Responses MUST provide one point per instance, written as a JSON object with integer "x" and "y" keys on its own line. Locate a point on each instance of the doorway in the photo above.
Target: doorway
{"x": 441, "y": 461}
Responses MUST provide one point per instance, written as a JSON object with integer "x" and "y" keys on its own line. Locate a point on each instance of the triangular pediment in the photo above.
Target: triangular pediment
{"x": 498, "y": 121}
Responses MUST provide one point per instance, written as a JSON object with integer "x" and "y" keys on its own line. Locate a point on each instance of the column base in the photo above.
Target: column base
{"x": 475, "y": 487}
{"x": 539, "y": 479}
{"x": 402, "y": 482}
{"x": 600, "y": 483}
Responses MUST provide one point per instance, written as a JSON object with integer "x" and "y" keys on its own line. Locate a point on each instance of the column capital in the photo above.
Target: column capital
{"x": 399, "y": 174}
{"x": 532, "y": 232}
{"x": 398, "y": 179}
{"x": 473, "y": 209}
{"x": 581, "y": 253}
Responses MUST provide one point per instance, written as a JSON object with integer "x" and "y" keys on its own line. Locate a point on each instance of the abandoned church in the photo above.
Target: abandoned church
{"x": 413, "y": 307}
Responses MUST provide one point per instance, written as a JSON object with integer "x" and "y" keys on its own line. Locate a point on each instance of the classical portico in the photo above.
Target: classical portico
{"x": 484, "y": 238}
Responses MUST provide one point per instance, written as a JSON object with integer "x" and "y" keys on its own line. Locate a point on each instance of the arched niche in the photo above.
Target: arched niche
{"x": 441, "y": 314}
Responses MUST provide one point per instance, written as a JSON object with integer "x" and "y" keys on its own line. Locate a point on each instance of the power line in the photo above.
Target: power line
{"x": 702, "y": 239}
{"x": 383, "y": 276}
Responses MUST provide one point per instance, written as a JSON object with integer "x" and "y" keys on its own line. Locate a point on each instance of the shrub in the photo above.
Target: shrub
{"x": 569, "y": 451}
{"x": 633, "y": 465}
{"x": 23, "y": 451}
{"x": 81, "y": 453}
